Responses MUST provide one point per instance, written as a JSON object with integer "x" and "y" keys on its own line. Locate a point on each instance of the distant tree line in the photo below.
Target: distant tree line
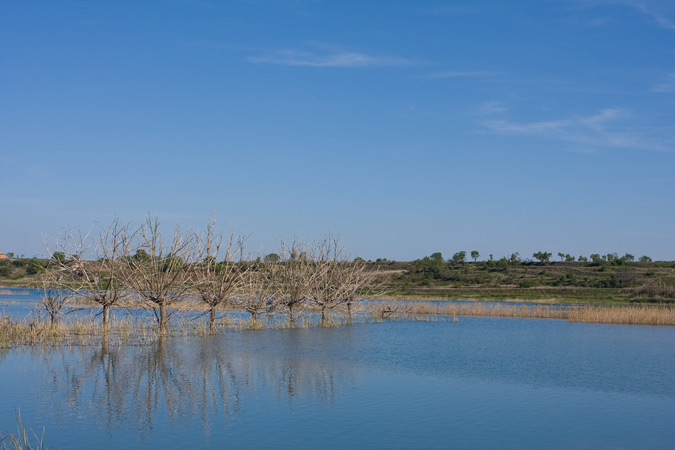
{"x": 541, "y": 257}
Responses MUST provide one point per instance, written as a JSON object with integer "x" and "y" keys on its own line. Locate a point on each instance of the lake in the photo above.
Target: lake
{"x": 476, "y": 383}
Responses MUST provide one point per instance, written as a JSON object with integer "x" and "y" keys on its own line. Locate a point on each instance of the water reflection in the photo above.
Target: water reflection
{"x": 210, "y": 379}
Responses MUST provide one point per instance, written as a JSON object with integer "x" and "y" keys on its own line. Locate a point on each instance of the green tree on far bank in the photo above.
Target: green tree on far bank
{"x": 459, "y": 257}
{"x": 542, "y": 257}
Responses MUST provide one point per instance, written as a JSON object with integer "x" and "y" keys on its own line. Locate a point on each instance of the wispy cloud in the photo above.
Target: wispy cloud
{"x": 489, "y": 108}
{"x": 595, "y": 131}
{"x": 667, "y": 86}
{"x": 458, "y": 74}
{"x": 662, "y": 12}
{"x": 332, "y": 59}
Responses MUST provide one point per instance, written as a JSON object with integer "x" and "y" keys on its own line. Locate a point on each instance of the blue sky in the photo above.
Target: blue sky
{"x": 405, "y": 127}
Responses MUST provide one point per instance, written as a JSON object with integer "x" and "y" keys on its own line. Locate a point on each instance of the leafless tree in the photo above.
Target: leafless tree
{"x": 260, "y": 289}
{"x": 295, "y": 276}
{"x": 358, "y": 281}
{"x": 157, "y": 273}
{"x": 217, "y": 282}
{"x": 98, "y": 278}
{"x": 327, "y": 286}
{"x": 55, "y": 301}
{"x": 338, "y": 279}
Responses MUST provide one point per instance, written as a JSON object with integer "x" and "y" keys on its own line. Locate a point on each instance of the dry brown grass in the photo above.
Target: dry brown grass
{"x": 639, "y": 315}
{"x": 72, "y": 332}
{"x": 385, "y": 310}
{"x": 642, "y": 315}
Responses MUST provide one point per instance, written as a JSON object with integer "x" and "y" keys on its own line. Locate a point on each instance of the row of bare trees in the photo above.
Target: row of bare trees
{"x": 139, "y": 266}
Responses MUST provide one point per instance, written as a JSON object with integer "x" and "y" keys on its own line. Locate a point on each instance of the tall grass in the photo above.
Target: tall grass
{"x": 639, "y": 315}
{"x": 642, "y": 315}
{"x": 383, "y": 310}
{"x": 23, "y": 439}
{"x": 124, "y": 331}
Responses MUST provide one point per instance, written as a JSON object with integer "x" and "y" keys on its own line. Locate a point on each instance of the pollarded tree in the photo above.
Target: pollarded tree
{"x": 326, "y": 288}
{"x": 99, "y": 278}
{"x": 163, "y": 278}
{"x": 295, "y": 275}
{"x": 475, "y": 255}
{"x": 55, "y": 301}
{"x": 339, "y": 279}
{"x": 217, "y": 282}
{"x": 358, "y": 281}
{"x": 260, "y": 290}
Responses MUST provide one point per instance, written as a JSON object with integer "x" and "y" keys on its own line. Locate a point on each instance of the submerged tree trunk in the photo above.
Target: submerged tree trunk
{"x": 212, "y": 319}
{"x": 291, "y": 309}
{"x": 106, "y": 315}
{"x": 323, "y": 314}
{"x": 104, "y": 342}
{"x": 349, "y": 310}
{"x": 163, "y": 321}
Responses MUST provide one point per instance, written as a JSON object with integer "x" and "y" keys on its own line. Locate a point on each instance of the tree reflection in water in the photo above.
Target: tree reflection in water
{"x": 210, "y": 379}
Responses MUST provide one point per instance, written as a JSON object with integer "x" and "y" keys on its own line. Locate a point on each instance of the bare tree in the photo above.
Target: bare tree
{"x": 98, "y": 278}
{"x": 338, "y": 279}
{"x": 217, "y": 282}
{"x": 55, "y": 301}
{"x": 358, "y": 281}
{"x": 327, "y": 286}
{"x": 260, "y": 290}
{"x": 295, "y": 276}
{"x": 159, "y": 274}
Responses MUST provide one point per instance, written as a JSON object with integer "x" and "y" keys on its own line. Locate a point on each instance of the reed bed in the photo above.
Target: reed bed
{"x": 637, "y": 315}
{"x": 385, "y": 310}
{"x": 88, "y": 331}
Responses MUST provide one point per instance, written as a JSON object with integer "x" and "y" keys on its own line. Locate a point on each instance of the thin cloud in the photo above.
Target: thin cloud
{"x": 662, "y": 12}
{"x": 668, "y": 86}
{"x": 335, "y": 59}
{"x": 489, "y": 108}
{"x": 595, "y": 131}
{"x": 457, "y": 74}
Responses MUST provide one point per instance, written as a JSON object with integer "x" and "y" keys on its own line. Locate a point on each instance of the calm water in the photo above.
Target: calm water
{"x": 479, "y": 382}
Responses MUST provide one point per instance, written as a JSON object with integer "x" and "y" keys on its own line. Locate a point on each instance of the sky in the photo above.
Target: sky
{"x": 405, "y": 127}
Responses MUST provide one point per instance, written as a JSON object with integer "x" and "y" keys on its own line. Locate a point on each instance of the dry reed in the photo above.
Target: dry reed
{"x": 639, "y": 315}
{"x": 22, "y": 440}
{"x": 383, "y": 310}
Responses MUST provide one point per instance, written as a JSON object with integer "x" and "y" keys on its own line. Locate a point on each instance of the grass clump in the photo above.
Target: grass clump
{"x": 23, "y": 440}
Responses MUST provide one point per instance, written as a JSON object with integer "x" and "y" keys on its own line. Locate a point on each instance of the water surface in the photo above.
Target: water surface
{"x": 479, "y": 382}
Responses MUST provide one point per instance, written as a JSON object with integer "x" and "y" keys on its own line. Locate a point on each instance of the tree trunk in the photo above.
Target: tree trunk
{"x": 212, "y": 319}
{"x": 323, "y": 314}
{"x": 104, "y": 343}
{"x": 163, "y": 322}
{"x": 106, "y": 316}
{"x": 291, "y": 308}
{"x": 349, "y": 310}
{"x": 254, "y": 316}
